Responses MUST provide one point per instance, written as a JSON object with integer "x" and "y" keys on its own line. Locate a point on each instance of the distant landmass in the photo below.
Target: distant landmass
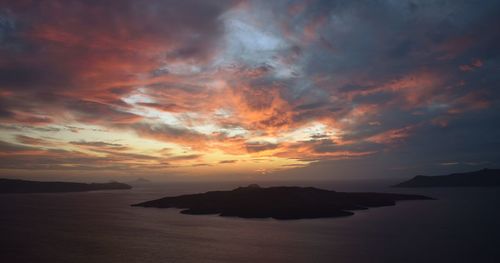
{"x": 481, "y": 178}
{"x": 23, "y": 186}
{"x": 278, "y": 202}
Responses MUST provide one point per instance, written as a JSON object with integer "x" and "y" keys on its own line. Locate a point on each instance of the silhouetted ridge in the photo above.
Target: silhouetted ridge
{"x": 481, "y": 178}
{"x": 284, "y": 202}
{"x": 23, "y": 186}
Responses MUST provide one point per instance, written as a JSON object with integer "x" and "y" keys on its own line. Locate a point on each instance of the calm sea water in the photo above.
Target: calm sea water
{"x": 462, "y": 226}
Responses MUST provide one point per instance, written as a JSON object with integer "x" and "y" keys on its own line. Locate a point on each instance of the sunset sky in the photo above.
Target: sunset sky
{"x": 248, "y": 89}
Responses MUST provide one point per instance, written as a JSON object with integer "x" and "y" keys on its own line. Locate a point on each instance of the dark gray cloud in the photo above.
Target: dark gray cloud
{"x": 6, "y": 147}
{"x": 96, "y": 143}
{"x": 259, "y": 147}
{"x": 168, "y": 133}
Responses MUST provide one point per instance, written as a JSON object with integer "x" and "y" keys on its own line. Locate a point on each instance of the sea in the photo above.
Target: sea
{"x": 462, "y": 225}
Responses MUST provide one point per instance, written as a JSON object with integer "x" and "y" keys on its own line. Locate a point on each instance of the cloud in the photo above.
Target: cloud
{"x": 87, "y": 61}
{"x": 228, "y": 161}
{"x": 253, "y": 147}
{"x": 303, "y": 82}
{"x": 184, "y": 157}
{"x": 100, "y": 145}
{"x": 169, "y": 133}
{"x": 6, "y": 148}
{"x": 34, "y": 141}
{"x": 94, "y": 112}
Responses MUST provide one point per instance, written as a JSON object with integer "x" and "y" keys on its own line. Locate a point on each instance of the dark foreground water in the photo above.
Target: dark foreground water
{"x": 462, "y": 226}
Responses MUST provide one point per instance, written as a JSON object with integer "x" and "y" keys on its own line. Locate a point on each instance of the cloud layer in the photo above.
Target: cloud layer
{"x": 249, "y": 87}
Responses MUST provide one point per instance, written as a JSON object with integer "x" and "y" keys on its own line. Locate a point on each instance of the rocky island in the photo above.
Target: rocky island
{"x": 8, "y": 186}
{"x": 481, "y": 178}
{"x": 278, "y": 202}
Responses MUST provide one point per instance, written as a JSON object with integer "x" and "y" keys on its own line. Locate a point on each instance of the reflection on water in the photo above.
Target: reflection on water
{"x": 462, "y": 226}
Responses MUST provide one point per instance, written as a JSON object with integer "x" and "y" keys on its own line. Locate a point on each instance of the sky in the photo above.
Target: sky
{"x": 194, "y": 89}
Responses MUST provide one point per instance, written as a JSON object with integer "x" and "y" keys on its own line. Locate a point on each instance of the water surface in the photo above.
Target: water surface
{"x": 462, "y": 226}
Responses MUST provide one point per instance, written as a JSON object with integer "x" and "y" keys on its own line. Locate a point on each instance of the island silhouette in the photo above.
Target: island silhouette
{"x": 23, "y": 186}
{"x": 481, "y": 178}
{"x": 283, "y": 202}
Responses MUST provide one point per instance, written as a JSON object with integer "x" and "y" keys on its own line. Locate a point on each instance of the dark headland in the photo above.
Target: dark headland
{"x": 481, "y": 178}
{"x": 23, "y": 186}
{"x": 278, "y": 202}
